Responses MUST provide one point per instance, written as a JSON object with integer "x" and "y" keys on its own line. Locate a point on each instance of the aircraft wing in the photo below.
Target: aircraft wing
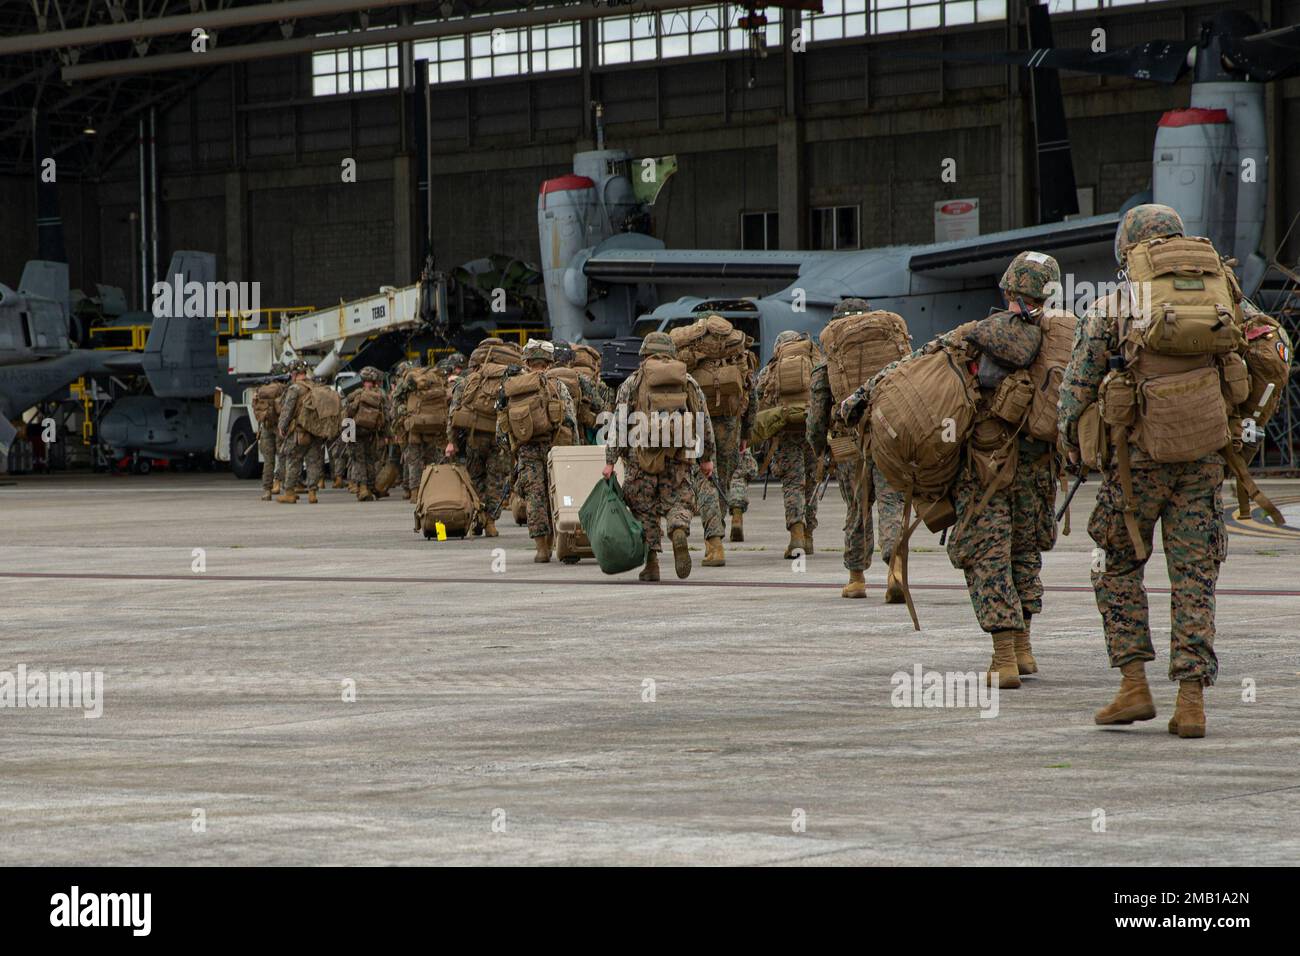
{"x": 630, "y": 266}
{"x": 1073, "y": 240}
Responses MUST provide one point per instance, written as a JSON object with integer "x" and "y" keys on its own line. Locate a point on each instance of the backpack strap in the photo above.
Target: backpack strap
{"x": 1126, "y": 485}
{"x": 899, "y": 558}
{"x": 993, "y": 488}
{"x": 1247, "y": 489}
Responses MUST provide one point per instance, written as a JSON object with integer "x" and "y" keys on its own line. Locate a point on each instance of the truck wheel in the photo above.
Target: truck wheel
{"x": 243, "y": 451}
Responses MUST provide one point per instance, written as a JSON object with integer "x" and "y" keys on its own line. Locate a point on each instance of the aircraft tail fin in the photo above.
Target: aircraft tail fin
{"x": 1057, "y": 195}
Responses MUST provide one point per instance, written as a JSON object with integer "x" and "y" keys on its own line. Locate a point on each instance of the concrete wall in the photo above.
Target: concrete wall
{"x": 250, "y": 162}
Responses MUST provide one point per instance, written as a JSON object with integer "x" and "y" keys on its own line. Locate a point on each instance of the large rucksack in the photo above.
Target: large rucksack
{"x": 587, "y": 359}
{"x": 319, "y": 411}
{"x": 426, "y": 403}
{"x": 920, "y": 416}
{"x": 714, "y": 353}
{"x": 859, "y": 346}
{"x": 787, "y": 382}
{"x": 446, "y": 497}
{"x": 477, "y": 411}
{"x": 534, "y": 410}
{"x": 367, "y": 408}
{"x": 662, "y": 394}
{"x": 1047, "y": 371}
{"x": 1267, "y": 357}
{"x": 266, "y": 403}
{"x": 572, "y": 380}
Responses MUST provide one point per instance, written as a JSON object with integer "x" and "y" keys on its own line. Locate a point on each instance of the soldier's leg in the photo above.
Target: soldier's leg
{"x": 857, "y": 532}
{"x": 704, "y": 492}
{"x": 889, "y": 514}
{"x": 315, "y": 463}
{"x": 983, "y": 552}
{"x": 641, "y": 495}
{"x": 358, "y": 470}
{"x": 498, "y": 476}
{"x": 738, "y": 491}
{"x": 476, "y": 461}
{"x": 532, "y": 472}
{"x": 788, "y": 462}
{"x": 410, "y": 465}
{"x": 1116, "y": 571}
{"x": 675, "y": 494}
{"x": 1033, "y": 530}
{"x": 293, "y": 462}
{"x": 266, "y": 441}
{"x": 1195, "y": 542}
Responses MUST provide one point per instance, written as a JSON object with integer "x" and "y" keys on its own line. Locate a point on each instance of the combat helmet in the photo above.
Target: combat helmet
{"x": 850, "y": 306}
{"x": 658, "y": 343}
{"x": 539, "y": 350}
{"x": 789, "y": 335}
{"x": 1147, "y": 221}
{"x": 563, "y": 352}
{"x": 298, "y": 365}
{"x": 1031, "y": 274}
{"x": 371, "y": 374}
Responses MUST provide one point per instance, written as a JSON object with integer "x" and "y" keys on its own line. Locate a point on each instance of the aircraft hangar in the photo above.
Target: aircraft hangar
{"x": 195, "y": 195}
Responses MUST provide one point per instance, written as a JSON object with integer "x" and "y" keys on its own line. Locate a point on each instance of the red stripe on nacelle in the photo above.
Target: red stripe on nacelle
{"x": 566, "y": 183}
{"x": 1196, "y": 116}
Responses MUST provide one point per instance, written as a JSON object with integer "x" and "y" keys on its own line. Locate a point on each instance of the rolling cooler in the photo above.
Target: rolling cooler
{"x": 572, "y": 471}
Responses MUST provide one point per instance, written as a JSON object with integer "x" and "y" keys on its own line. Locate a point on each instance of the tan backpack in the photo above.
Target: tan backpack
{"x": 715, "y": 354}
{"x": 663, "y": 394}
{"x": 572, "y": 379}
{"x": 1047, "y": 371}
{"x": 587, "y": 359}
{"x": 859, "y": 346}
{"x": 788, "y": 381}
{"x": 426, "y": 403}
{"x": 266, "y": 402}
{"x": 319, "y": 411}
{"x": 366, "y": 407}
{"x": 477, "y": 411}
{"x": 534, "y": 410}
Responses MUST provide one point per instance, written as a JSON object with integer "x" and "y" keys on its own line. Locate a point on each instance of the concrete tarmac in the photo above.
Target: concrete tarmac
{"x": 513, "y": 713}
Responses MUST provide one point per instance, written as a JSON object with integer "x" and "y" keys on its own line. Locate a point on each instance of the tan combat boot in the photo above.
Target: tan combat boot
{"x": 857, "y": 586}
{"x": 894, "y": 585}
{"x": 796, "y": 540}
{"x": 320, "y": 483}
{"x": 1133, "y": 702}
{"x": 651, "y": 570}
{"x": 1024, "y": 653}
{"x": 490, "y": 528}
{"x": 737, "y": 525}
{"x": 714, "y": 556}
{"x": 275, "y": 487}
{"x": 681, "y": 553}
{"x": 288, "y": 498}
{"x": 311, "y": 496}
{"x": 266, "y": 496}
{"x": 807, "y": 542}
{"x": 339, "y": 482}
{"x": 543, "y": 554}
{"x": 1004, "y": 661}
{"x": 363, "y": 493}
{"x": 352, "y": 487}
{"x": 1189, "y": 712}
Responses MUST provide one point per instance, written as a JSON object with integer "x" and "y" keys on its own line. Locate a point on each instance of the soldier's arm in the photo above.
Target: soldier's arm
{"x": 612, "y": 448}
{"x": 708, "y": 449}
{"x": 751, "y": 407}
{"x": 288, "y": 404}
{"x": 819, "y": 410}
{"x": 570, "y": 410}
{"x": 1094, "y": 339}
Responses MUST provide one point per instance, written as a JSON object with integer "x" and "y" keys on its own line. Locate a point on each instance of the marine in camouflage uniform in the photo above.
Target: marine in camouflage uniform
{"x": 589, "y": 394}
{"x": 793, "y": 461}
{"x": 485, "y": 455}
{"x": 653, "y": 498}
{"x": 530, "y": 477}
{"x": 268, "y": 447}
{"x": 367, "y": 447}
{"x": 999, "y": 547}
{"x": 823, "y": 421}
{"x": 303, "y": 448}
{"x": 738, "y": 490}
{"x": 418, "y": 451}
{"x": 1184, "y": 498}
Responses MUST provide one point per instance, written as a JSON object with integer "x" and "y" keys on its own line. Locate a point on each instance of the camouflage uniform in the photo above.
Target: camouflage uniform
{"x": 367, "y": 448}
{"x": 1184, "y": 498}
{"x": 486, "y": 457}
{"x": 667, "y": 495}
{"x": 823, "y": 419}
{"x": 340, "y": 459}
{"x": 418, "y": 451}
{"x": 304, "y": 449}
{"x": 728, "y": 432}
{"x": 267, "y": 445}
{"x": 793, "y": 461}
{"x": 738, "y": 490}
{"x": 530, "y": 477}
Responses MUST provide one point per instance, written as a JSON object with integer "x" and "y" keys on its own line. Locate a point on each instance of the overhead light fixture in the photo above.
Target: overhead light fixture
{"x": 89, "y": 128}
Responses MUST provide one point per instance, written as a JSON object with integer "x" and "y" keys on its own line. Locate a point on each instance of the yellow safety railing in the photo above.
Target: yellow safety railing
{"x": 119, "y": 338}
{"x": 82, "y": 394}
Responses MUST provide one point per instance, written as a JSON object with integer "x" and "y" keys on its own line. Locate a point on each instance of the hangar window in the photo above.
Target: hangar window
{"x": 354, "y": 70}
{"x": 691, "y": 31}
{"x": 759, "y": 230}
{"x": 844, "y": 19}
{"x": 835, "y": 227}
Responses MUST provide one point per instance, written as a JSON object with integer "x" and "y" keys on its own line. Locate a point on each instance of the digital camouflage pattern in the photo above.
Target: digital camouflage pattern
{"x": 667, "y": 496}
{"x": 738, "y": 489}
{"x": 340, "y": 458}
{"x": 365, "y": 452}
{"x": 1147, "y": 221}
{"x": 823, "y": 422}
{"x": 728, "y": 431}
{"x": 1030, "y": 274}
{"x": 418, "y": 452}
{"x": 1000, "y": 551}
{"x": 486, "y": 456}
{"x": 850, "y": 306}
{"x": 793, "y": 462}
{"x": 531, "y": 482}
{"x": 1184, "y": 498}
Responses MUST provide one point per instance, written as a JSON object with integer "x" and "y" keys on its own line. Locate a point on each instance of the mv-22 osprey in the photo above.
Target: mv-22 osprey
{"x": 604, "y": 277}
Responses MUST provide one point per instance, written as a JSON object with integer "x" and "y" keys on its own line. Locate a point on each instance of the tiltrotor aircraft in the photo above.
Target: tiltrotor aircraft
{"x": 605, "y": 277}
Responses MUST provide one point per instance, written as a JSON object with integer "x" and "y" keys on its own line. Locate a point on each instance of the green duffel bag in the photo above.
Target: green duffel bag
{"x": 616, "y": 538}
{"x": 770, "y": 421}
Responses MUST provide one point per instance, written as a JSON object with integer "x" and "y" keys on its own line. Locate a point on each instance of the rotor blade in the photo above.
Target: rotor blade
{"x": 1057, "y": 195}
{"x": 1271, "y": 55}
{"x": 1161, "y": 60}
